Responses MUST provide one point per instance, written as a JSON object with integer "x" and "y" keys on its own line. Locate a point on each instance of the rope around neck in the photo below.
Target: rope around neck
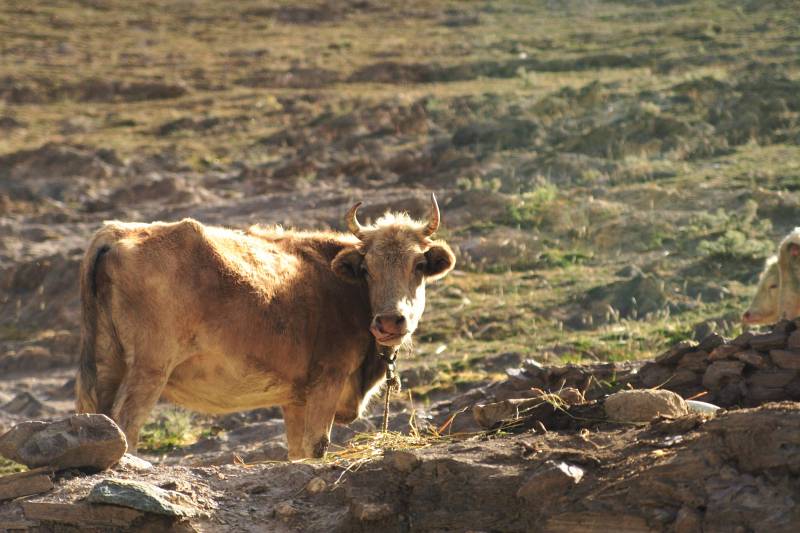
{"x": 389, "y": 356}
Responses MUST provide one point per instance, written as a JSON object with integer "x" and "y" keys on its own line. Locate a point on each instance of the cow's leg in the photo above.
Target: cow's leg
{"x": 138, "y": 393}
{"x": 294, "y": 419}
{"x": 321, "y": 401}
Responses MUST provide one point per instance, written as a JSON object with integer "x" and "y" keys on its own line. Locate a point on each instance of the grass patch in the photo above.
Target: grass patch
{"x": 172, "y": 428}
{"x": 10, "y": 467}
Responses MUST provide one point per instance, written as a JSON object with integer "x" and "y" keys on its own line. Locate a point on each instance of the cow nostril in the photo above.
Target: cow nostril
{"x": 390, "y": 323}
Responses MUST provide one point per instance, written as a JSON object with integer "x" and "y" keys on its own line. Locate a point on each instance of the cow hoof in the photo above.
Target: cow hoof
{"x": 321, "y": 447}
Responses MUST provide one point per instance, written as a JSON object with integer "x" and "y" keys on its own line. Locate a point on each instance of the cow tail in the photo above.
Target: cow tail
{"x": 86, "y": 381}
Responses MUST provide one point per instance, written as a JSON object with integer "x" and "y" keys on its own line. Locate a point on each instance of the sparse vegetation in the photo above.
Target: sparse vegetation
{"x": 172, "y": 427}
{"x": 10, "y": 467}
{"x": 612, "y": 175}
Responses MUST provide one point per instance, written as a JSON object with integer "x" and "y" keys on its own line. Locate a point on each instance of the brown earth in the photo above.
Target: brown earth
{"x": 735, "y": 470}
{"x": 611, "y": 174}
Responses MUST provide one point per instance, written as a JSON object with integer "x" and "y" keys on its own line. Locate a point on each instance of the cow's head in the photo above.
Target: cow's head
{"x": 789, "y": 275}
{"x": 764, "y": 307}
{"x": 395, "y": 256}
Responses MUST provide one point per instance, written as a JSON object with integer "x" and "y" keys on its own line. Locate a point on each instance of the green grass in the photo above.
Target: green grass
{"x": 601, "y": 137}
{"x": 10, "y": 467}
{"x": 171, "y": 428}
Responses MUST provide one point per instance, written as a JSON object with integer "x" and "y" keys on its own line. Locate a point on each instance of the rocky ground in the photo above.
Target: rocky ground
{"x": 612, "y": 175}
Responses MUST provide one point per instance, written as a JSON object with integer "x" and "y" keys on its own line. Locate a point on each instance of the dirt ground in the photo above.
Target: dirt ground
{"x": 612, "y": 175}
{"x": 736, "y": 471}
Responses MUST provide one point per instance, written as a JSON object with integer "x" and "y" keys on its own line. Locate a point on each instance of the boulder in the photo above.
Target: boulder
{"x": 142, "y": 497}
{"x": 644, "y": 405}
{"x": 80, "y": 441}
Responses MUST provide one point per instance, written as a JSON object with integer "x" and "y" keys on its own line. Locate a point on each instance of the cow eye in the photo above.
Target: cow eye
{"x": 364, "y": 271}
{"x": 773, "y": 286}
{"x": 419, "y": 268}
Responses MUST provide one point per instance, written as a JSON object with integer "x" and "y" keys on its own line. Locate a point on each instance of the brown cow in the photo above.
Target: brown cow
{"x": 220, "y": 321}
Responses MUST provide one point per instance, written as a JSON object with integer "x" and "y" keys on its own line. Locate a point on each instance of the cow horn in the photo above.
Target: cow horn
{"x": 433, "y": 224}
{"x": 352, "y": 222}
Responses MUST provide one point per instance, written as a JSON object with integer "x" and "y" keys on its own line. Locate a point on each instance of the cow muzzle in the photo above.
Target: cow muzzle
{"x": 389, "y": 329}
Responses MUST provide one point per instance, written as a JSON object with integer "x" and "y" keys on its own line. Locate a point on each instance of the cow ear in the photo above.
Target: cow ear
{"x": 347, "y": 264}
{"x": 440, "y": 260}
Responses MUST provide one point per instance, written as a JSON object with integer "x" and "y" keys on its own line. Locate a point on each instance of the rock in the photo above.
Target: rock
{"x": 285, "y": 510}
{"x": 793, "y": 342}
{"x": 25, "y": 484}
{"x": 683, "y": 377}
{"x": 571, "y": 396}
{"x": 644, "y": 405}
{"x": 489, "y": 415}
{"x": 550, "y": 482}
{"x": 724, "y": 351}
{"x": 784, "y": 327}
{"x": 689, "y": 520}
{"x": 269, "y": 451}
{"x": 81, "y": 514}
{"x": 674, "y": 354}
{"x": 785, "y": 359}
{"x": 768, "y": 341}
{"x": 402, "y": 460}
{"x": 316, "y": 485}
{"x": 695, "y": 361}
{"x": 370, "y": 512}
{"x": 654, "y": 375}
{"x": 419, "y": 375}
{"x": 711, "y": 342}
{"x": 721, "y": 371}
{"x": 752, "y": 358}
{"x": 25, "y": 404}
{"x": 743, "y": 340}
{"x": 80, "y": 441}
{"x": 731, "y": 393}
{"x": 774, "y": 378}
{"x": 142, "y": 497}
{"x": 133, "y": 463}
{"x": 759, "y": 394}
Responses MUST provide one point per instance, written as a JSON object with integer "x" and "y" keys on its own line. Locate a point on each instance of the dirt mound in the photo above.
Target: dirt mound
{"x": 54, "y": 160}
{"x": 296, "y": 78}
{"x": 634, "y": 298}
{"x": 62, "y": 172}
{"x": 41, "y": 90}
{"x": 39, "y": 312}
{"x": 324, "y": 12}
{"x": 368, "y": 146}
{"x": 736, "y": 470}
{"x": 394, "y": 72}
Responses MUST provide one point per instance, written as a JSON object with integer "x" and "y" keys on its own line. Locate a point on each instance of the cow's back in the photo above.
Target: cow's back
{"x": 235, "y": 319}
